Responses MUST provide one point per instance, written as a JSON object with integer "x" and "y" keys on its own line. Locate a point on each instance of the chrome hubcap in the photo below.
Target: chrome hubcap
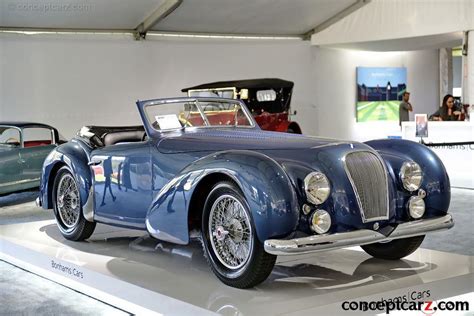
{"x": 230, "y": 232}
{"x": 68, "y": 201}
{"x": 220, "y": 233}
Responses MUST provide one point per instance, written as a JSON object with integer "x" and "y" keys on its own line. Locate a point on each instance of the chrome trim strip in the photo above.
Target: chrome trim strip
{"x": 88, "y": 208}
{"x": 53, "y": 137}
{"x": 18, "y": 182}
{"x": 318, "y": 243}
{"x": 331, "y": 144}
{"x": 120, "y": 222}
{"x": 362, "y": 212}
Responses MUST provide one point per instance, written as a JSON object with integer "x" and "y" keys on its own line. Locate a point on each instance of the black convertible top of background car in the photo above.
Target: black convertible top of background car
{"x": 264, "y": 83}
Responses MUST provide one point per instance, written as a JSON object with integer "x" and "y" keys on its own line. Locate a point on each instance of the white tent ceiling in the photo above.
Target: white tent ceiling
{"x": 251, "y": 17}
{"x": 329, "y": 19}
{"x": 401, "y": 23}
{"x": 75, "y": 14}
{"x": 408, "y": 43}
{"x": 269, "y": 17}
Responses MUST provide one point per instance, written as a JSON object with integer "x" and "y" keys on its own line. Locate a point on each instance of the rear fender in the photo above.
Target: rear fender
{"x": 264, "y": 184}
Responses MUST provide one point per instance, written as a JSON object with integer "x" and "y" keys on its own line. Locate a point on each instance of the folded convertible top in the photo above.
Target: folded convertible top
{"x": 100, "y": 136}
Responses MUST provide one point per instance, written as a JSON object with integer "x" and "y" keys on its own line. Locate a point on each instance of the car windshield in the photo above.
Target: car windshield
{"x": 227, "y": 93}
{"x": 9, "y": 136}
{"x": 197, "y": 113}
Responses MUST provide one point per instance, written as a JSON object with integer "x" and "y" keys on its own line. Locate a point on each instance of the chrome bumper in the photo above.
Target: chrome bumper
{"x": 317, "y": 243}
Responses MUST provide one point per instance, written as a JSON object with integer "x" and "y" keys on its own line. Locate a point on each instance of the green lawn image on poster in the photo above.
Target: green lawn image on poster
{"x": 379, "y": 92}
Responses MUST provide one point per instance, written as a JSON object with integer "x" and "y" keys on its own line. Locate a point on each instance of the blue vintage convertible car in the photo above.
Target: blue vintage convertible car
{"x": 203, "y": 165}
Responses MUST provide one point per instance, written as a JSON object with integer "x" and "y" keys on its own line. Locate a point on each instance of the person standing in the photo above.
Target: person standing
{"x": 404, "y": 107}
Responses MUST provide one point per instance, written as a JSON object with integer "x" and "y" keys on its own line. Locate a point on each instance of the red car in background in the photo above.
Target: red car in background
{"x": 268, "y": 99}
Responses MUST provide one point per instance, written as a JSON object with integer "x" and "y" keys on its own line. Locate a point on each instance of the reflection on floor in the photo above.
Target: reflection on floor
{"x": 59, "y": 300}
{"x": 18, "y": 198}
{"x": 20, "y": 208}
{"x": 298, "y": 285}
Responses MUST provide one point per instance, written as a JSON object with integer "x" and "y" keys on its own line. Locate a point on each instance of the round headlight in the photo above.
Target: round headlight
{"x": 411, "y": 175}
{"x": 416, "y": 206}
{"x": 316, "y": 186}
{"x": 320, "y": 221}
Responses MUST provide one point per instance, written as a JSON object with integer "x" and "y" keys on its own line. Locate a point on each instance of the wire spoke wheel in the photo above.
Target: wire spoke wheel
{"x": 230, "y": 232}
{"x": 67, "y": 201}
{"x": 67, "y": 207}
{"x": 231, "y": 246}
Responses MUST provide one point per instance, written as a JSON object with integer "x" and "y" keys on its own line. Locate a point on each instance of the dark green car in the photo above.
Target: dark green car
{"x": 23, "y": 148}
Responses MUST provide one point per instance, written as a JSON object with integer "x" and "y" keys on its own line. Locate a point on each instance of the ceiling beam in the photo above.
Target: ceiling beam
{"x": 47, "y": 30}
{"x": 335, "y": 18}
{"x": 159, "y": 14}
{"x": 154, "y": 34}
{"x": 244, "y": 36}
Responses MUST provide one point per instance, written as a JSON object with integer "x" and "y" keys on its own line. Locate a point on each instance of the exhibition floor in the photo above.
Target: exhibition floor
{"x": 138, "y": 274}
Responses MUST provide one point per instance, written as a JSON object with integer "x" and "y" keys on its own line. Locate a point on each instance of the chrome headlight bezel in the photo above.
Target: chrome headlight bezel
{"x": 411, "y": 175}
{"x": 319, "y": 182}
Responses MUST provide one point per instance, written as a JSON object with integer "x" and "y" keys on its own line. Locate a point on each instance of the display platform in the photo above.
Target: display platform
{"x": 138, "y": 274}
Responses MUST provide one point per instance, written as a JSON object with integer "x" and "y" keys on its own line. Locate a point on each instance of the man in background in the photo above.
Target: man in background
{"x": 404, "y": 108}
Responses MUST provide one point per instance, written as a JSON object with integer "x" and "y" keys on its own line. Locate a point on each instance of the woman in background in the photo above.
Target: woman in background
{"x": 447, "y": 112}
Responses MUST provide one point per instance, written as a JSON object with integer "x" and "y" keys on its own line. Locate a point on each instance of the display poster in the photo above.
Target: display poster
{"x": 379, "y": 93}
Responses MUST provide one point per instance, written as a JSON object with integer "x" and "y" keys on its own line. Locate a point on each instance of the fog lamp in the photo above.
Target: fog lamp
{"x": 320, "y": 222}
{"x": 416, "y": 206}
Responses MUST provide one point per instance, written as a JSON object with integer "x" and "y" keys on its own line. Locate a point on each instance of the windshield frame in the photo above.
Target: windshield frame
{"x": 54, "y": 134}
{"x": 233, "y": 89}
{"x": 143, "y": 105}
{"x": 21, "y": 136}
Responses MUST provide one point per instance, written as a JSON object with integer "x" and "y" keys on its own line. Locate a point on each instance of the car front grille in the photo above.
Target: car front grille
{"x": 368, "y": 177}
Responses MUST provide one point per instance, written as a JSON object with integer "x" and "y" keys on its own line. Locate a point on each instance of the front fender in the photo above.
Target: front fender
{"x": 265, "y": 185}
{"x": 73, "y": 154}
{"x": 435, "y": 179}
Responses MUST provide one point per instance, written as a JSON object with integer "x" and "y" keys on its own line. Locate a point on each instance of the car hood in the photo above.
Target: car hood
{"x": 238, "y": 139}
